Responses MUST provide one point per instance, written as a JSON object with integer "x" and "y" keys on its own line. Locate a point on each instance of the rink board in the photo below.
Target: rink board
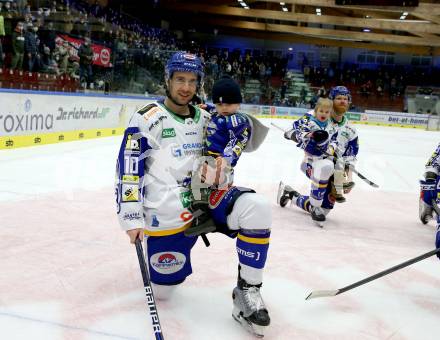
{"x": 29, "y": 118}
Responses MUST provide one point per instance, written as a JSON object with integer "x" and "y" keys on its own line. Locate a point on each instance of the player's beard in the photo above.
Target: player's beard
{"x": 340, "y": 110}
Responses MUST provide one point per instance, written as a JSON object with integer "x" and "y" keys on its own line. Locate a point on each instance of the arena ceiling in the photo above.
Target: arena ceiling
{"x": 386, "y": 28}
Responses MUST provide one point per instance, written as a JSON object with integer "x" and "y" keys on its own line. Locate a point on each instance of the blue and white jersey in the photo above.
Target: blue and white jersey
{"x": 433, "y": 164}
{"x": 227, "y": 136}
{"x": 345, "y": 140}
{"x": 343, "y": 136}
{"x": 154, "y": 169}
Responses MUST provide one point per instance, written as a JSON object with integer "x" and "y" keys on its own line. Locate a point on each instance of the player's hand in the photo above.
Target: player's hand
{"x": 133, "y": 234}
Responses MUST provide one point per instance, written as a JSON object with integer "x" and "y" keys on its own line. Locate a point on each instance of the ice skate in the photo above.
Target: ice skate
{"x": 285, "y": 193}
{"x": 340, "y": 198}
{"x": 249, "y": 309}
{"x": 318, "y": 216}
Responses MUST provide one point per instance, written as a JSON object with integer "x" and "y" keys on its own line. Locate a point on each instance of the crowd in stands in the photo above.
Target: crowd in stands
{"x": 30, "y": 32}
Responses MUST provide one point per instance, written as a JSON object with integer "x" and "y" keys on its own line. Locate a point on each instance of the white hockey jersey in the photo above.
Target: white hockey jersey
{"x": 154, "y": 169}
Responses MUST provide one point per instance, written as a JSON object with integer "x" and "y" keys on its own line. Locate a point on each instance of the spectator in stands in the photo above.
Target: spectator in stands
{"x": 31, "y": 43}
{"x": 85, "y": 54}
{"x": 48, "y": 36}
{"x": 17, "y": 47}
{"x": 61, "y": 54}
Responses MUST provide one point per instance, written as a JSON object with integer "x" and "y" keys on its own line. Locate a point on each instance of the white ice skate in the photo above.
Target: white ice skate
{"x": 318, "y": 216}
{"x": 249, "y": 309}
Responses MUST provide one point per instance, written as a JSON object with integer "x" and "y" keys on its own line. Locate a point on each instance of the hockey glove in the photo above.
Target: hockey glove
{"x": 202, "y": 222}
{"x": 318, "y": 143}
{"x": 290, "y": 135}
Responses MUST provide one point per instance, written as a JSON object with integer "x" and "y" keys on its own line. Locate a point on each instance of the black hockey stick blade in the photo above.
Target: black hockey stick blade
{"x": 365, "y": 179}
{"x": 157, "y": 329}
{"x": 328, "y": 293}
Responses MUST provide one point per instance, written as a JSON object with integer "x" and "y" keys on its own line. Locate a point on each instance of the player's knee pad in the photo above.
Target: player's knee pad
{"x": 251, "y": 211}
{"x": 323, "y": 169}
{"x": 162, "y": 292}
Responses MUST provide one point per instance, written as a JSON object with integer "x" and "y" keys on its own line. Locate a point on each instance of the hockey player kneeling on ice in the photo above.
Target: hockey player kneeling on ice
{"x": 429, "y": 190}
{"x": 154, "y": 193}
{"x": 331, "y": 147}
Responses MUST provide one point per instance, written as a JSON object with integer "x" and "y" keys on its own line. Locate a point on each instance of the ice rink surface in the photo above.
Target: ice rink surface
{"x": 68, "y": 272}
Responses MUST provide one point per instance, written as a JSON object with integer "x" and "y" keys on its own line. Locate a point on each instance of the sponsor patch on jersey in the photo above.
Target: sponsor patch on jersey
{"x": 168, "y": 133}
{"x": 130, "y": 179}
{"x": 132, "y": 143}
{"x": 216, "y": 197}
{"x": 130, "y": 193}
{"x": 186, "y": 198}
{"x": 148, "y": 111}
{"x": 156, "y": 122}
{"x": 133, "y": 216}
{"x": 176, "y": 151}
{"x": 167, "y": 262}
{"x": 186, "y": 216}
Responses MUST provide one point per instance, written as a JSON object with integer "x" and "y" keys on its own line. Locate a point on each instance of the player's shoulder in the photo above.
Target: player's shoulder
{"x": 204, "y": 114}
{"x": 151, "y": 115}
{"x": 238, "y": 119}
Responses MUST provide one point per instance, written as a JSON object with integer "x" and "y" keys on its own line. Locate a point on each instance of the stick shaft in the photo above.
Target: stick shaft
{"x": 389, "y": 270}
{"x": 149, "y": 292}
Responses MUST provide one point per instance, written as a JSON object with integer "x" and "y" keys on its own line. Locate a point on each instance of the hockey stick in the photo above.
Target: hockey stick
{"x": 327, "y": 293}
{"x": 149, "y": 292}
{"x": 362, "y": 177}
{"x": 277, "y": 126}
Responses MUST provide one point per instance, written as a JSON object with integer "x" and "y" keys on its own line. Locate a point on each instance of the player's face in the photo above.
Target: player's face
{"x": 340, "y": 104}
{"x": 227, "y": 109}
{"x": 323, "y": 113}
{"x": 182, "y": 87}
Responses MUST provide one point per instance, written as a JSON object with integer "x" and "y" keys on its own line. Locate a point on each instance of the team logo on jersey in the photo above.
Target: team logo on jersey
{"x": 154, "y": 221}
{"x": 168, "y": 133}
{"x": 216, "y": 197}
{"x": 167, "y": 262}
{"x": 130, "y": 193}
{"x": 132, "y": 143}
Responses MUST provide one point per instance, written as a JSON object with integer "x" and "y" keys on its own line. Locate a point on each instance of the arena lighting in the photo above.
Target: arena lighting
{"x": 285, "y": 9}
{"x": 282, "y": 3}
{"x": 290, "y": 49}
{"x": 366, "y": 30}
{"x": 318, "y": 11}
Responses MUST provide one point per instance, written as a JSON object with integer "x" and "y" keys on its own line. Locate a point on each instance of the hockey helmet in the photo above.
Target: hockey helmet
{"x": 184, "y": 62}
{"x": 339, "y": 91}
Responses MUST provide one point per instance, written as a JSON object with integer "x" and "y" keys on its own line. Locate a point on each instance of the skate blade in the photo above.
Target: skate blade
{"x": 319, "y": 224}
{"x": 256, "y": 330}
{"x": 280, "y": 192}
